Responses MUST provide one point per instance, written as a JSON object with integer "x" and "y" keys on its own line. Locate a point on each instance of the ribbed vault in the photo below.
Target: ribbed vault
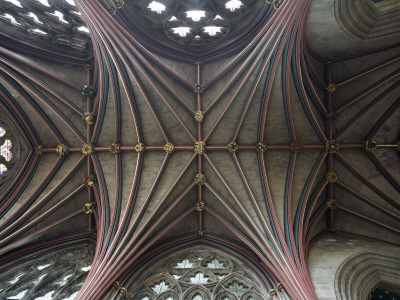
{"x": 258, "y": 147}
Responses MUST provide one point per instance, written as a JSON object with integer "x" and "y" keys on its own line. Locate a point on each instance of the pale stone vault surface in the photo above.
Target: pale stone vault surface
{"x": 265, "y": 151}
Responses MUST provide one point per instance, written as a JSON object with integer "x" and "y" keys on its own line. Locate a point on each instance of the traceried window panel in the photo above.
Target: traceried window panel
{"x": 198, "y": 274}
{"x": 195, "y": 25}
{"x": 57, "y": 275}
{"x": 56, "y": 23}
{"x": 6, "y": 151}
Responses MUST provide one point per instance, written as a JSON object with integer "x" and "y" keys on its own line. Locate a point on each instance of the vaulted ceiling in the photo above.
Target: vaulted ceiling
{"x": 264, "y": 139}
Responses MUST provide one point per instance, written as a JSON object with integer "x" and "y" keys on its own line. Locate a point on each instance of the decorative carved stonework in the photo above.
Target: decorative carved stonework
{"x": 88, "y": 118}
{"x": 198, "y": 89}
{"x": 200, "y": 148}
{"x": 169, "y": 148}
{"x": 123, "y": 292}
{"x": 199, "y": 206}
{"x": 115, "y": 285}
{"x": 119, "y": 3}
{"x": 276, "y": 3}
{"x": 112, "y": 10}
{"x": 369, "y": 145}
{"x": 139, "y": 148}
{"x": 331, "y": 177}
{"x": 331, "y": 88}
{"x": 49, "y": 264}
{"x": 115, "y": 148}
{"x": 280, "y": 287}
{"x": 39, "y": 149}
{"x": 331, "y": 146}
{"x": 202, "y": 233}
{"x": 331, "y": 114}
{"x": 272, "y": 293}
{"x": 218, "y": 23}
{"x": 88, "y": 208}
{"x": 332, "y": 204}
{"x": 233, "y": 147}
{"x": 87, "y": 149}
{"x": 89, "y": 181}
{"x": 62, "y": 149}
{"x": 87, "y": 91}
{"x": 261, "y": 147}
{"x": 200, "y": 179}
{"x": 198, "y": 116}
{"x": 296, "y": 146}
{"x": 35, "y": 22}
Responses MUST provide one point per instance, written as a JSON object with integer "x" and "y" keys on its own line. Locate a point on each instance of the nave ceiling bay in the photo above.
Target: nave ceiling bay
{"x": 250, "y": 140}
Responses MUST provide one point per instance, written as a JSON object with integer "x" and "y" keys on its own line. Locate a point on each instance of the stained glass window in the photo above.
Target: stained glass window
{"x": 5, "y": 150}
{"x": 87, "y": 268}
{"x": 161, "y": 287}
{"x": 47, "y": 296}
{"x": 2, "y": 131}
{"x": 185, "y": 264}
{"x": 215, "y": 264}
{"x": 72, "y": 296}
{"x": 16, "y": 278}
{"x": 199, "y": 278}
{"x": 43, "y": 266}
{"x": 197, "y": 297}
{"x": 237, "y": 288}
{"x": 46, "y": 277}
{"x": 218, "y": 276}
{"x": 21, "y": 294}
{"x": 3, "y": 169}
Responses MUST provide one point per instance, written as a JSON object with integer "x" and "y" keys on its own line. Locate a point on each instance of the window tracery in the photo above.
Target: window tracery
{"x": 188, "y": 24}
{"x": 197, "y": 297}
{"x": 197, "y": 275}
{"x": 57, "y": 275}
{"x": 58, "y": 22}
{"x": 5, "y": 150}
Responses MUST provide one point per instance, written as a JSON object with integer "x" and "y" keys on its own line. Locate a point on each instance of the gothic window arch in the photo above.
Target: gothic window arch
{"x": 197, "y": 274}
{"x": 56, "y": 23}
{"x": 56, "y": 275}
{"x": 364, "y": 271}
